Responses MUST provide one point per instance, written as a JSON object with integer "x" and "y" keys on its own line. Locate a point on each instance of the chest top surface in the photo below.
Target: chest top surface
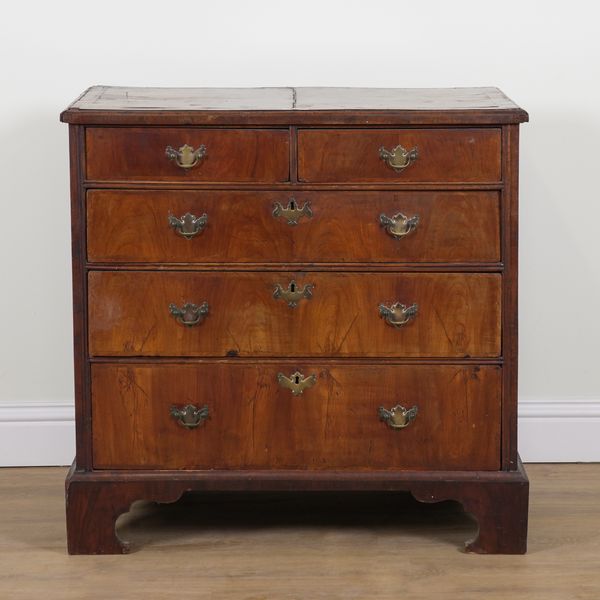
{"x": 303, "y": 105}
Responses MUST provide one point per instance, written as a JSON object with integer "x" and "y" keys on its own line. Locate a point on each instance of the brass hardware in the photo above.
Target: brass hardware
{"x": 294, "y": 293}
{"x": 296, "y": 382}
{"x": 189, "y": 314}
{"x": 398, "y": 314}
{"x": 399, "y": 158}
{"x": 398, "y": 417}
{"x": 188, "y": 225}
{"x": 189, "y": 416}
{"x": 399, "y": 225}
{"x": 292, "y": 213}
{"x": 186, "y": 157}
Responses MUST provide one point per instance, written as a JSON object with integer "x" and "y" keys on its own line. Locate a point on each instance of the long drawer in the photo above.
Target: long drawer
{"x": 267, "y": 227}
{"x": 399, "y": 155}
{"x": 294, "y": 314}
{"x": 240, "y": 416}
{"x": 187, "y": 154}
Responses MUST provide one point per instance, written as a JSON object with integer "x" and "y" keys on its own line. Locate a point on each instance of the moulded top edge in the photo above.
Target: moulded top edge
{"x": 100, "y": 104}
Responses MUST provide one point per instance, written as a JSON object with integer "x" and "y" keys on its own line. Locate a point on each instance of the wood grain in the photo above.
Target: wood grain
{"x": 445, "y": 155}
{"x": 233, "y": 155}
{"x": 132, "y": 226}
{"x": 81, "y": 369}
{"x": 497, "y": 500}
{"x": 510, "y": 285}
{"x": 256, "y": 423}
{"x": 272, "y": 106}
{"x": 118, "y": 98}
{"x": 459, "y": 314}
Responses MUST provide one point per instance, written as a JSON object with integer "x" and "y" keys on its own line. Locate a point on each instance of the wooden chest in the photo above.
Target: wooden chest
{"x": 295, "y": 289}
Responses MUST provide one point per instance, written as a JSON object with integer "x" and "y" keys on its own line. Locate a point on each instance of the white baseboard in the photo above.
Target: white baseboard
{"x": 37, "y": 434}
{"x": 43, "y": 434}
{"x": 559, "y": 430}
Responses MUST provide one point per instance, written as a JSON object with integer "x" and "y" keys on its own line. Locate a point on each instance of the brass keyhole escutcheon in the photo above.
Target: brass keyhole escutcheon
{"x": 296, "y": 382}
{"x": 293, "y": 212}
{"x": 293, "y": 293}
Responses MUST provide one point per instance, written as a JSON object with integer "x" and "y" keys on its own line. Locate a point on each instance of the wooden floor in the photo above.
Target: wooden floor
{"x": 326, "y": 547}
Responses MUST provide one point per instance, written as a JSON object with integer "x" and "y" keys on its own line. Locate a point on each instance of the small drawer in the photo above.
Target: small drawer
{"x": 315, "y": 227}
{"x": 294, "y": 314}
{"x": 187, "y": 154}
{"x": 399, "y": 155}
{"x": 247, "y": 416}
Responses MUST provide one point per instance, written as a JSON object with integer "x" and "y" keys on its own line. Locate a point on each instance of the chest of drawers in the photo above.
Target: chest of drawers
{"x": 291, "y": 290}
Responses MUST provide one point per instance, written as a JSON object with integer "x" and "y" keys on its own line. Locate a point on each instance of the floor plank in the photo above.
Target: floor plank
{"x": 302, "y": 547}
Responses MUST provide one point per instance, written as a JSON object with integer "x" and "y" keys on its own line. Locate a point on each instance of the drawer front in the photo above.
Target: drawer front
{"x": 251, "y": 421}
{"x": 232, "y": 155}
{"x": 316, "y": 227}
{"x": 444, "y": 155}
{"x": 347, "y": 314}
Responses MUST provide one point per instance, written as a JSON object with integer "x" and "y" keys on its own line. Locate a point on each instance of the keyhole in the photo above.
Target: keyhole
{"x": 293, "y": 204}
{"x": 292, "y": 287}
{"x": 297, "y": 379}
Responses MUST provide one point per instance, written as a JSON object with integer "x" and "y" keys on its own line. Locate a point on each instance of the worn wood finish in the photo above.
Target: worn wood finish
{"x": 510, "y": 280}
{"x": 296, "y": 106}
{"x": 195, "y": 100}
{"x": 79, "y": 278}
{"x": 445, "y": 155}
{"x": 132, "y": 226}
{"x": 93, "y": 509}
{"x": 459, "y": 356}
{"x": 255, "y": 423}
{"x": 294, "y": 186}
{"x": 298, "y": 267}
{"x": 459, "y": 315}
{"x": 274, "y": 118}
{"x": 233, "y": 155}
{"x": 498, "y": 500}
{"x": 501, "y": 509}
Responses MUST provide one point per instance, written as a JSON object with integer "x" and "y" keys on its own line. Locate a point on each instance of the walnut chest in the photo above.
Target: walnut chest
{"x": 295, "y": 289}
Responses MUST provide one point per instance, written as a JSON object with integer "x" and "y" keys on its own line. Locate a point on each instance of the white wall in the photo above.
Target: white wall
{"x": 544, "y": 55}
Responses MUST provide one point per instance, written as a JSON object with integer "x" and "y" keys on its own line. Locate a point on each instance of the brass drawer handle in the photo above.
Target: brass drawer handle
{"x": 189, "y": 314}
{"x": 186, "y": 157}
{"x": 293, "y": 293}
{"x": 398, "y": 314}
{"x": 292, "y": 213}
{"x": 398, "y": 158}
{"x": 398, "y": 417}
{"x": 296, "y": 382}
{"x": 189, "y": 416}
{"x": 188, "y": 225}
{"x": 399, "y": 225}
